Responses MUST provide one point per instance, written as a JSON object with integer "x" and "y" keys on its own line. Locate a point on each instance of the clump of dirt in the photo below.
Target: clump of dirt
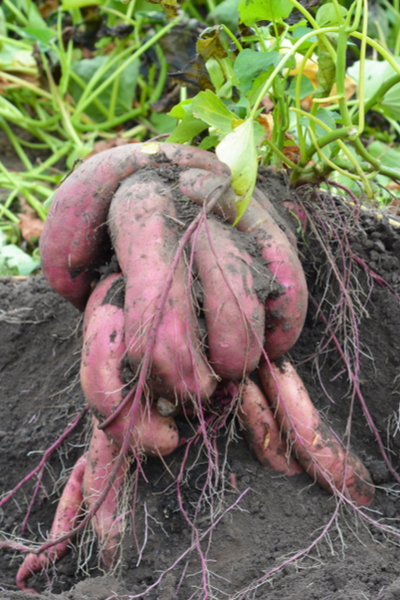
{"x": 273, "y": 518}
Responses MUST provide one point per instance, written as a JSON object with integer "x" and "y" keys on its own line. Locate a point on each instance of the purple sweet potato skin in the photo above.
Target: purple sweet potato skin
{"x": 102, "y": 455}
{"x": 263, "y": 432}
{"x": 66, "y": 518}
{"x": 234, "y": 314}
{"x": 75, "y": 239}
{"x": 145, "y": 237}
{"x": 284, "y": 315}
{"x": 103, "y": 352}
{"x": 318, "y": 450}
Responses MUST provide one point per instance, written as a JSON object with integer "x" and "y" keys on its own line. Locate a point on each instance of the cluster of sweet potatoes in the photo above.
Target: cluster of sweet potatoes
{"x": 181, "y": 316}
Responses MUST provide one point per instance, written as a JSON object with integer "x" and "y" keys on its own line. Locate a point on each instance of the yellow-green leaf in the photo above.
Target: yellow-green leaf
{"x": 238, "y": 151}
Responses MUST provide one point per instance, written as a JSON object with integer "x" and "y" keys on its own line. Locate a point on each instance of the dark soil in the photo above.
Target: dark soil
{"x": 278, "y": 517}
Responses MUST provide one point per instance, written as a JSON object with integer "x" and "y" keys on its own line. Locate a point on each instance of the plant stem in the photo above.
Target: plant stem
{"x": 276, "y": 150}
{"x": 283, "y": 61}
{"x": 111, "y": 124}
{"x": 234, "y": 38}
{"x": 11, "y": 6}
{"x": 86, "y": 99}
{"x": 361, "y": 110}
{"x": 25, "y": 84}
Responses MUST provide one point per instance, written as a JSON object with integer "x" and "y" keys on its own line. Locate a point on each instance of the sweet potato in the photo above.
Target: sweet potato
{"x": 262, "y": 431}
{"x": 285, "y": 315}
{"x": 66, "y": 518}
{"x": 75, "y": 240}
{"x": 145, "y": 236}
{"x": 103, "y": 353}
{"x": 100, "y": 462}
{"x": 233, "y": 349}
{"x": 267, "y": 205}
{"x": 317, "y": 449}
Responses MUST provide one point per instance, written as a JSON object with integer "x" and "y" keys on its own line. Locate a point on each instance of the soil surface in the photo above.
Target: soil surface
{"x": 285, "y": 538}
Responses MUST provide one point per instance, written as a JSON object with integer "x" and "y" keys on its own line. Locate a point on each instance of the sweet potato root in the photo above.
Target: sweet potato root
{"x": 285, "y": 314}
{"x": 263, "y": 433}
{"x": 66, "y": 518}
{"x": 233, "y": 348}
{"x": 145, "y": 238}
{"x": 100, "y": 461}
{"x": 75, "y": 240}
{"x": 103, "y": 353}
{"x": 317, "y": 449}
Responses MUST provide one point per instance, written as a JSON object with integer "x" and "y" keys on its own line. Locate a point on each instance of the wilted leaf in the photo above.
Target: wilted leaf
{"x": 267, "y": 122}
{"x": 195, "y": 75}
{"x": 292, "y": 152}
{"x": 179, "y": 44}
{"x": 209, "y": 44}
{"x": 31, "y": 227}
{"x": 325, "y": 75}
{"x": 47, "y": 7}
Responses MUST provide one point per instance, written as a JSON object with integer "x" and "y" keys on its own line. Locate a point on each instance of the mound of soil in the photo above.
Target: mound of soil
{"x": 285, "y": 537}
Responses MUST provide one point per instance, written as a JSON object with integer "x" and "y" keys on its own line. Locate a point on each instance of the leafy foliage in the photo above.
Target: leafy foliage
{"x": 267, "y": 82}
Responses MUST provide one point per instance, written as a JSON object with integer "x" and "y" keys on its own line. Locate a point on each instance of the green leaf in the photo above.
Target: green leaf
{"x": 249, "y": 64}
{"x": 376, "y": 73}
{"x": 180, "y": 110}
{"x": 162, "y": 122}
{"x": 388, "y": 156}
{"x": 327, "y": 117}
{"x": 306, "y": 87}
{"x": 87, "y": 67}
{"x": 259, "y": 133}
{"x": 32, "y": 12}
{"x": 238, "y": 151}
{"x": 391, "y": 103}
{"x": 210, "y": 109}
{"x": 189, "y": 126}
{"x": 186, "y": 130}
{"x": 209, "y": 142}
{"x": 215, "y": 72}
{"x": 41, "y": 36}
{"x": 226, "y": 13}
{"x": 327, "y": 15}
{"x": 252, "y": 11}
{"x": 14, "y": 261}
{"x": 300, "y": 30}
